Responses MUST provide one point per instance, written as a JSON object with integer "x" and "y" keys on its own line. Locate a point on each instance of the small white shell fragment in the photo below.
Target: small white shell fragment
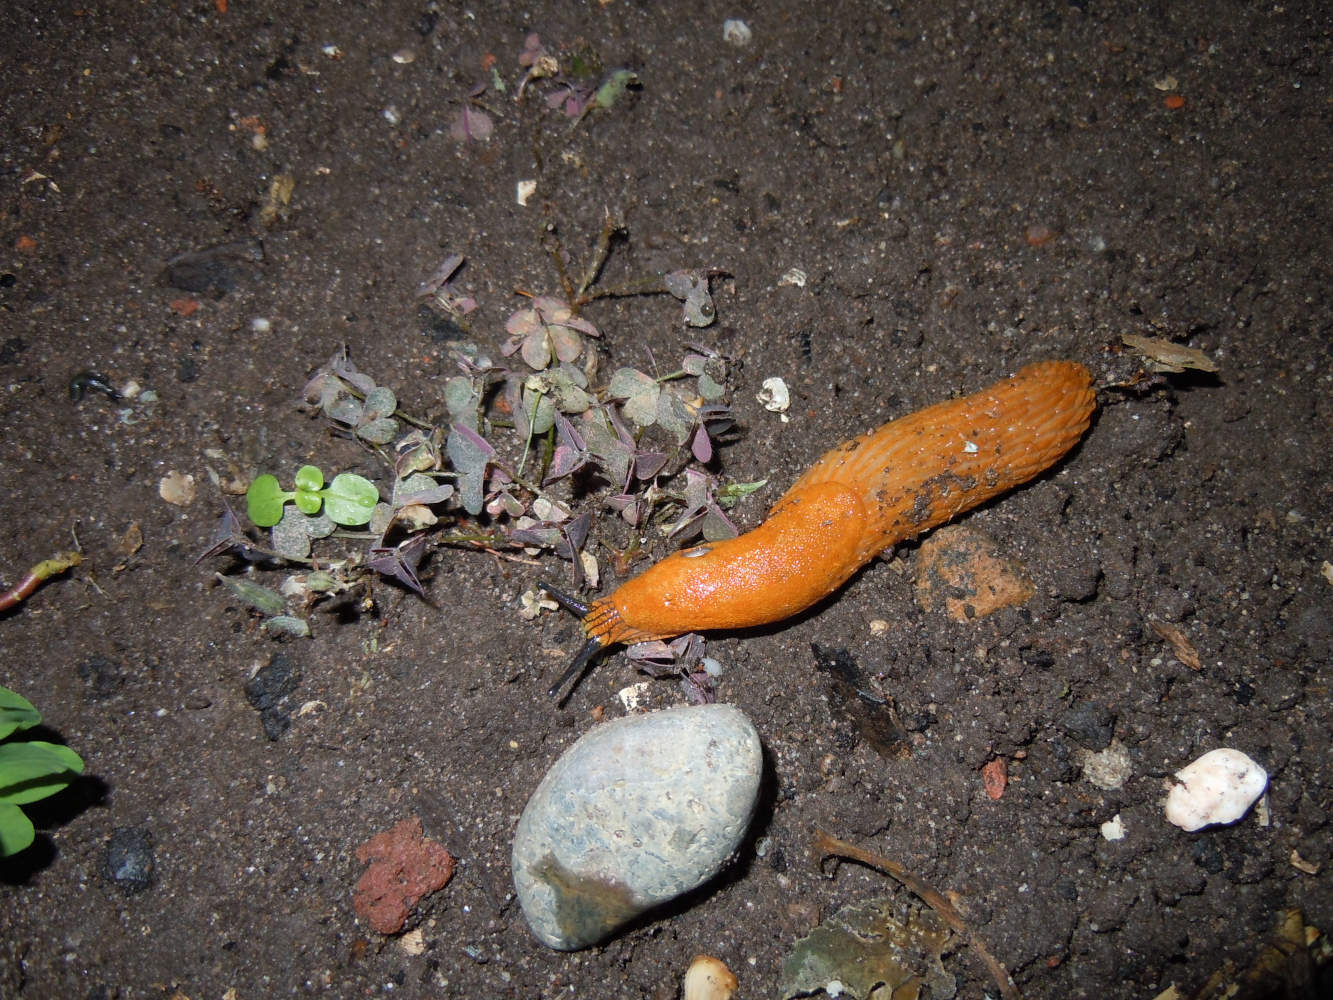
{"x": 591, "y": 572}
{"x": 736, "y": 32}
{"x": 793, "y": 276}
{"x": 524, "y": 190}
{"x": 404, "y": 57}
{"x": 632, "y": 698}
{"x": 533, "y": 602}
{"x": 709, "y": 978}
{"x": 413, "y": 942}
{"x": 774, "y": 395}
{"x": 1218, "y": 788}
{"x": 549, "y": 510}
{"x": 177, "y": 488}
{"x": 1113, "y": 829}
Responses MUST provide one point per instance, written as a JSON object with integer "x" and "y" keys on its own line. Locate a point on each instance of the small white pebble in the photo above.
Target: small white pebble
{"x": 774, "y": 395}
{"x": 261, "y": 324}
{"x": 1114, "y": 828}
{"x": 736, "y": 32}
{"x": 1218, "y": 788}
{"x": 524, "y": 190}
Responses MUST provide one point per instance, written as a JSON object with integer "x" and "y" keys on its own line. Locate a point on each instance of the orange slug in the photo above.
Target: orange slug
{"x": 861, "y": 498}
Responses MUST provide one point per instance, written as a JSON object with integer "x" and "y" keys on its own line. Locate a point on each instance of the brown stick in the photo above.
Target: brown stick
{"x": 827, "y": 845}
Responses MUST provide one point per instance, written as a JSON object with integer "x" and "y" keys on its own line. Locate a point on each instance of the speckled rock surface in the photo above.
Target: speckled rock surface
{"x": 637, "y": 812}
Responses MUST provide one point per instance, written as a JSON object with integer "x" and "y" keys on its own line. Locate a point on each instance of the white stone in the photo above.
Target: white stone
{"x": 1217, "y": 788}
{"x": 775, "y": 396}
{"x": 736, "y": 32}
{"x": 637, "y": 812}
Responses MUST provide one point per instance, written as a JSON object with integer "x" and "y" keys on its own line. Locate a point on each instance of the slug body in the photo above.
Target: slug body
{"x": 861, "y": 498}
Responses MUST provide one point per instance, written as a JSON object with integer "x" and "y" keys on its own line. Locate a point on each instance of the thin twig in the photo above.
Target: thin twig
{"x": 827, "y": 845}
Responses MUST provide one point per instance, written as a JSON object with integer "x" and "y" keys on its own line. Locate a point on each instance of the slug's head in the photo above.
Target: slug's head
{"x": 583, "y": 660}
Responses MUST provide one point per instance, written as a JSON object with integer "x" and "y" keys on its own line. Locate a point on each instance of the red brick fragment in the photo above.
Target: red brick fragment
{"x": 403, "y": 868}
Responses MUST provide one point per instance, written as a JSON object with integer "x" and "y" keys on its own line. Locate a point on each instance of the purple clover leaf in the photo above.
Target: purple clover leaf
{"x": 470, "y": 454}
{"x": 400, "y": 562}
{"x": 546, "y": 329}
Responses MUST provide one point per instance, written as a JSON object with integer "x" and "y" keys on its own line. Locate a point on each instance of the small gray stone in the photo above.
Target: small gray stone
{"x": 639, "y": 811}
{"x": 129, "y": 858}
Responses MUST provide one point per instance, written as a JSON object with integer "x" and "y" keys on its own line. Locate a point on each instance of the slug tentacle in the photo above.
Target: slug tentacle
{"x": 565, "y": 600}
{"x": 861, "y": 498}
{"x": 577, "y": 667}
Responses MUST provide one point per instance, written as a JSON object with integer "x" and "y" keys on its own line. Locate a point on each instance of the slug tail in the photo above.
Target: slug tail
{"x": 928, "y": 467}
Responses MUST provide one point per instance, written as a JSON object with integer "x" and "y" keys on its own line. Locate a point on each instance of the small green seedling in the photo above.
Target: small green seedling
{"x": 349, "y": 500}
{"x": 29, "y": 770}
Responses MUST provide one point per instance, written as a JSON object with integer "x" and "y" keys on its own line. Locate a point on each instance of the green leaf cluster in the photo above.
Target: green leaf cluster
{"x": 349, "y": 500}
{"x": 29, "y": 770}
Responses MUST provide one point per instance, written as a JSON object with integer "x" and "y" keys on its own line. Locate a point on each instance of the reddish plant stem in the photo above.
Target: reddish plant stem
{"x": 36, "y": 576}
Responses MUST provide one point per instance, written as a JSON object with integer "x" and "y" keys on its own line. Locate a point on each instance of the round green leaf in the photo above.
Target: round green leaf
{"x": 350, "y": 499}
{"x": 16, "y": 712}
{"x": 264, "y": 501}
{"x": 309, "y": 478}
{"x": 34, "y": 770}
{"x": 16, "y": 830}
{"x": 308, "y": 503}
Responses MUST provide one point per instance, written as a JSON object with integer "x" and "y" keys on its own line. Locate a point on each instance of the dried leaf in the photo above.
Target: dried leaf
{"x": 868, "y": 948}
{"x": 1165, "y": 356}
{"x": 1180, "y": 645}
{"x": 262, "y": 599}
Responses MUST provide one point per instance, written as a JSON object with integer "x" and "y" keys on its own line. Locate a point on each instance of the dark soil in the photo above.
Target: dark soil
{"x": 967, "y": 188}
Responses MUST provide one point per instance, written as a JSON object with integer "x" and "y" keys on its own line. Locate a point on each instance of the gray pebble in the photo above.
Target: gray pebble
{"x": 639, "y": 811}
{"x": 1090, "y": 723}
{"x": 129, "y": 859}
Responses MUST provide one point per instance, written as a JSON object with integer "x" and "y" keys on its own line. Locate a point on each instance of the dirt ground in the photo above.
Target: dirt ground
{"x": 966, "y": 189}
